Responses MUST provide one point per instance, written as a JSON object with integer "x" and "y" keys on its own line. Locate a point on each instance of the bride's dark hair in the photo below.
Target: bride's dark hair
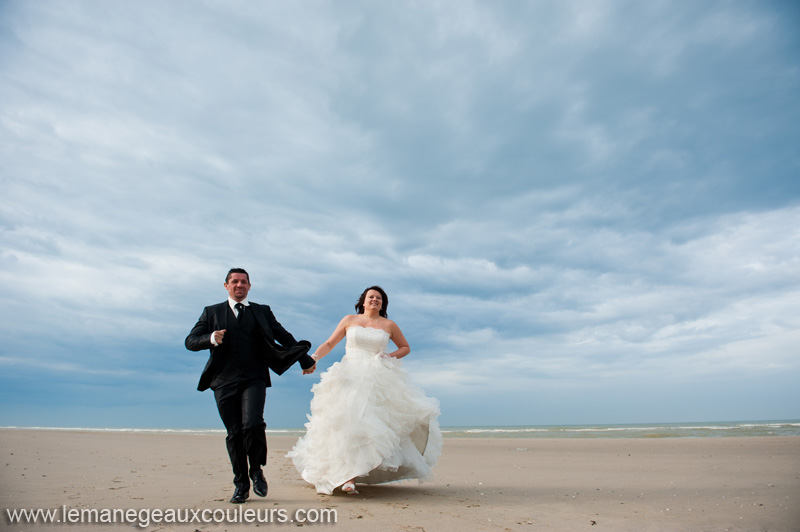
{"x": 384, "y": 304}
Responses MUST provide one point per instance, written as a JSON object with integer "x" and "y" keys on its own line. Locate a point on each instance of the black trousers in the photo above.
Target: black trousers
{"x": 241, "y": 407}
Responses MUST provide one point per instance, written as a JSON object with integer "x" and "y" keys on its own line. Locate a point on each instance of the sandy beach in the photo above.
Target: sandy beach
{"x": 665, "y": 484}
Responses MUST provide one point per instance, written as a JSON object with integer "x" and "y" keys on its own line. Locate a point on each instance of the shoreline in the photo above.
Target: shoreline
{"x": 747, "y": 428}
{"x": 492, "y": 484}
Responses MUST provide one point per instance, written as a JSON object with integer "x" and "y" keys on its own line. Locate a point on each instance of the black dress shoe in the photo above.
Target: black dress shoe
{"x": 259, "y": 484}
{"x": 240, "y": 495}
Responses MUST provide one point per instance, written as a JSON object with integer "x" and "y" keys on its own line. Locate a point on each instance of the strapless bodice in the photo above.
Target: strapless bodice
{"x": 365, "y": 341}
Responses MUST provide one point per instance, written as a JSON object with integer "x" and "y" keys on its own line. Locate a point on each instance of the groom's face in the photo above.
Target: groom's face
{"x": 237, "y": 286}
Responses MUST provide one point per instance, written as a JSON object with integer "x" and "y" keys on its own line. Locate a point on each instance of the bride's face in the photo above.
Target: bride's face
{"x": 373, "y": 301}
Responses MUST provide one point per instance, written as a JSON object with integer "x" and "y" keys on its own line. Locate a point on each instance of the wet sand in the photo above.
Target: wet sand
{"x": 668, "y": 484}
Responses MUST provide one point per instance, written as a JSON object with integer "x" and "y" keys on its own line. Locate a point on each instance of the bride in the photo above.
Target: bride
{"x": 368, "y": 423}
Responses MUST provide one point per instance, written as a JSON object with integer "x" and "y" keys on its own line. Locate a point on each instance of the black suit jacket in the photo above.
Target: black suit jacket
{"x": 281, "y": 351}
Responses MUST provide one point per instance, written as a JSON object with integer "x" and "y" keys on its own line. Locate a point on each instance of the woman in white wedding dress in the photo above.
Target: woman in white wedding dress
{"x": 368, "y": 423}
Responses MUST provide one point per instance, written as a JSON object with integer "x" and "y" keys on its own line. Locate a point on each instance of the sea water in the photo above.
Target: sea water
{"x": 643, "y": 430}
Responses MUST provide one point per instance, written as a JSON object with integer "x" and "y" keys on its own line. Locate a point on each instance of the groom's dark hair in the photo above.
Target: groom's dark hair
{"x": 237, "y": 270}
{"x": 384, "y": 303}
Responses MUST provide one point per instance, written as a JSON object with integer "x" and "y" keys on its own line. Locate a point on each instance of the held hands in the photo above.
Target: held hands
{"x": 311, "y": 370}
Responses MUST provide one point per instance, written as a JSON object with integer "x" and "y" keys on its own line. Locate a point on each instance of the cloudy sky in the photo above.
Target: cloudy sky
{"x": 582, "y": 212}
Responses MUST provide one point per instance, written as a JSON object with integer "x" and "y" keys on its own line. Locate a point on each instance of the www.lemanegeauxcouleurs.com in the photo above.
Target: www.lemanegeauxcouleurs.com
{"x": 147, "y": 517}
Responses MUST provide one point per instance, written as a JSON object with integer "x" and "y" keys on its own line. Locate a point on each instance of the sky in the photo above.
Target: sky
{"x": 583, "y": 212}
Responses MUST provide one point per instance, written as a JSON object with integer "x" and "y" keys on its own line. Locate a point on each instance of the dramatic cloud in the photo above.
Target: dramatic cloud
{"x": 581, "y": 211}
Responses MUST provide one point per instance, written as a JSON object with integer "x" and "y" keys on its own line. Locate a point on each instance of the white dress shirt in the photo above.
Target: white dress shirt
{"x": 232, "y": 303}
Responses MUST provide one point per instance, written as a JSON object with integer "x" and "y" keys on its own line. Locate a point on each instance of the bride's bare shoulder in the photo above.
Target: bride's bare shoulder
{"x": 348, "y": 320}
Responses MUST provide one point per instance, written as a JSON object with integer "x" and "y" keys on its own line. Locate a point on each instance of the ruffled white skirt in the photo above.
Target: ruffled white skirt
{"x": 370, "y": 423}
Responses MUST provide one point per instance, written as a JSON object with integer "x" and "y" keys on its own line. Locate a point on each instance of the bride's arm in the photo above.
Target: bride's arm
{"x": 328, "y": 345}
{"x": 400, "y": 341}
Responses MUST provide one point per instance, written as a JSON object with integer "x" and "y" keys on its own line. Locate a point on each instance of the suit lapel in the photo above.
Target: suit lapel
{"x": 222, "y": 315}
{"x": 262, "y": 323}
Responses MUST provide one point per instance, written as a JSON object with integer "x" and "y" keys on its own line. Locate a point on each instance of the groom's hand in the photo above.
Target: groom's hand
{"x": 310, "y": 370}
{"x": 218, "y": 336}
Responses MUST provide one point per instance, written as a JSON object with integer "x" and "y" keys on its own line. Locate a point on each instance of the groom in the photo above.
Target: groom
{"x": 245, "y": 339}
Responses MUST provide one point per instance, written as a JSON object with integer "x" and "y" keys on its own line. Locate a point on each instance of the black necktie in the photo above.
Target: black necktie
{"x": 239, "y": 311}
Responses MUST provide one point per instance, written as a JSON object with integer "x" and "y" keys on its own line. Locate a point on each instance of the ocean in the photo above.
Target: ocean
{"x": 645, "y": 430}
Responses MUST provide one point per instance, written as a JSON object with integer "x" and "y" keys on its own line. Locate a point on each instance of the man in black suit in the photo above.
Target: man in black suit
{"x": 245, "y": 339}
